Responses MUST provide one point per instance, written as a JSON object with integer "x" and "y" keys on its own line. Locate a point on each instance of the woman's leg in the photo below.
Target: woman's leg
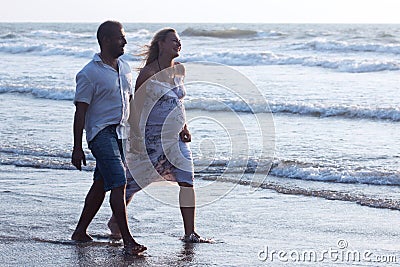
{"x": 131, "y": 188}
{"x": 187, "y": 202}
{"x": 187, "y": 206}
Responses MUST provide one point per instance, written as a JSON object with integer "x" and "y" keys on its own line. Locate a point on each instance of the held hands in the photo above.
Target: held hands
{"x": 136, "y": 144}
{"x": 185, "y": 135}
{"x": 78, "y": 157}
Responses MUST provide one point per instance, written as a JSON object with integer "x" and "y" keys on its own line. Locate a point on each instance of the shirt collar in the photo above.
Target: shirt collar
{"x": 97, "y": 57}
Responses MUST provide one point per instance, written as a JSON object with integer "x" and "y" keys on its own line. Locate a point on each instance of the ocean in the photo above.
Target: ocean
{"x": 330, "y": 92}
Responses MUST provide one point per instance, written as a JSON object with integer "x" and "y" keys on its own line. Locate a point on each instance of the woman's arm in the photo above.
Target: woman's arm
{"x": 185, "y": 134}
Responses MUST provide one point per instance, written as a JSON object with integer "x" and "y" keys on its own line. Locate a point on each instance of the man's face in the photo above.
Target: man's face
{"x": 116, "y": 43}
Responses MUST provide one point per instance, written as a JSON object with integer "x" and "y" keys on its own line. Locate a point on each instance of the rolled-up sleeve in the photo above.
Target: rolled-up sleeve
{"x": 84, "y": 89}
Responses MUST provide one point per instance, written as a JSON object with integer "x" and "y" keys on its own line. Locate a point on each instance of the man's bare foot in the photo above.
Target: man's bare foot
{"x": 81, "y": 237}
{"x": 115, "y": 232}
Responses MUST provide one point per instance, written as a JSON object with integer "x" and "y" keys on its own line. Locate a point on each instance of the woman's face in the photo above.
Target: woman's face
{"x": 171, "y": 45}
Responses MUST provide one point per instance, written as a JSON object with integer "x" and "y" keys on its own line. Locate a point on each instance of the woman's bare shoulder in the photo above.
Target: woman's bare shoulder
{"x": 180, "y": 68}
{"x": 145, "y": 73}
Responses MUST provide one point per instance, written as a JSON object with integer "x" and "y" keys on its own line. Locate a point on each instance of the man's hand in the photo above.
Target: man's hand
{"x": 79, "y": 122}
{"x": 78, "y": 157}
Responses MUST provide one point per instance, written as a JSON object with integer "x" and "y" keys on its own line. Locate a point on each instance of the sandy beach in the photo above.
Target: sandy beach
{"x": 40, "y": 208}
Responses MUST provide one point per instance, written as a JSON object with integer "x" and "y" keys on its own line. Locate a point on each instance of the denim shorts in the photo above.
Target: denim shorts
{"x": 110, "y": 159}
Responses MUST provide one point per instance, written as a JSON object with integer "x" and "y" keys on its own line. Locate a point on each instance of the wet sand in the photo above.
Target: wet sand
{"x": 40, "y": 208}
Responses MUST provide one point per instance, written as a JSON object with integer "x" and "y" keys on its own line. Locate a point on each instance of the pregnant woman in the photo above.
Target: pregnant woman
{"x": 158, "y": 147}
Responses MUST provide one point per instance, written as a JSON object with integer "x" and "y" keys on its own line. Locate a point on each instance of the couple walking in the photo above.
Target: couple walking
{"x": 102, "y": 100}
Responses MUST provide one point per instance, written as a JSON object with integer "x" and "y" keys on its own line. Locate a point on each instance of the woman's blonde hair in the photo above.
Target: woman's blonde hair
{"x": 151, "y": 51}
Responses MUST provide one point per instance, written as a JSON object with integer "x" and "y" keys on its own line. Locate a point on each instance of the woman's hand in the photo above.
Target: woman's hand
{"x": 185, "y": 134}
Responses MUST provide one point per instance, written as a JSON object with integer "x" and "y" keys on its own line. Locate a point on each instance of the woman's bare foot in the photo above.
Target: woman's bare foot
{"x": 81, "y": 237}
{"x": 134, "y": 248}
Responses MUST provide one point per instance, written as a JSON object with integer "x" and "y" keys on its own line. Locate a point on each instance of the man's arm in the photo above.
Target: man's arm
{"x": 78, "y": 156}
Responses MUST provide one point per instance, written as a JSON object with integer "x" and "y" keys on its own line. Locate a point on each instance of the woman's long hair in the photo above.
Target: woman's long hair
{"x": 151, "y": 52}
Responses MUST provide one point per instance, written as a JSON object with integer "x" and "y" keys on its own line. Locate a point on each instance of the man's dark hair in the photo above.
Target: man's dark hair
{"x": 106, "y": 29}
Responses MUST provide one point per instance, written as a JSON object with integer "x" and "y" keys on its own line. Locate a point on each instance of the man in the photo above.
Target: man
{"x": 103, "y": 89}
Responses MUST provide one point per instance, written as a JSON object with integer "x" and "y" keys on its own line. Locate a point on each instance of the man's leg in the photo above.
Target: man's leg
{"x": 93, "y": 201}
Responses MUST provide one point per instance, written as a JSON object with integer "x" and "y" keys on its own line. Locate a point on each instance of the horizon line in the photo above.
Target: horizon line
{"x": 201, "y": 22}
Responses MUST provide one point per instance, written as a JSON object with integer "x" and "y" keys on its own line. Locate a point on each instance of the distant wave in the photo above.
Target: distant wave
{"x": 41, "y": 93}
{"x": 36, "y": 157}
{"x": 226, "y": 171}
{"x": 386, "y": 35}
{"x": 391, "y": 114}
{"x": 41, "y": 158}
{"x": 51, "y": 34}
{"x": 232, "y": 105}
{"x": 36, "y": 152}
{"x": 8, "y": 36}
{"x": 269, "y": 58}
{"x": 89, "y": 35}
{"x": 339, "y": 174}
{"x": 226, "y": 33}
{"x": 303, "y": 171}
{"x": 46, "y": 50}
{"x": 52, "y": 50}
{"x": 342, "y": 46}
{"x": 356, "y": 197}
{"x": 40, "y": 162}
{"x": 232, "y": 58}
